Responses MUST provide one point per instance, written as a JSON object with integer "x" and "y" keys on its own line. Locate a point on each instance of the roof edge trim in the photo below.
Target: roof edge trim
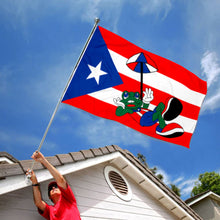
{"x": 210, "y": 193}
{"x": 16, "y": 182}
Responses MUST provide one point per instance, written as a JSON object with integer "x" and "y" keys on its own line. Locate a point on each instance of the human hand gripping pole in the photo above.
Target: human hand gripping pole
{"x": 30, "y": 175}
{"x": 37, "y": 157}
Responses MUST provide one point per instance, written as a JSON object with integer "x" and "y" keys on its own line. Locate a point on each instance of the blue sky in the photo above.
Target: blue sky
{"x": 40, "y": 44}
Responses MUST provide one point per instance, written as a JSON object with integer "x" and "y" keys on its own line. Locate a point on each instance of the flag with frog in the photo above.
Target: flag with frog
{"x": 118, "y": 80}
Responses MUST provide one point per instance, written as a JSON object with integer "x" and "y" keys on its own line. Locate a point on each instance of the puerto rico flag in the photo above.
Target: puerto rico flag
{"x": 118, "y": 80}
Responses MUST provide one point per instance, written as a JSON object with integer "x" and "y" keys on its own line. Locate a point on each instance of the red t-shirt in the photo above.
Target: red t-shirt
{"x": 65, "y": 209}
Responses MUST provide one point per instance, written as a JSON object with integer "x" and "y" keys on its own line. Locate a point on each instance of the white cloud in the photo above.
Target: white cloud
{"x": 166, "y": 176}
{"x": 212, "y": 102}
{"x": 178, "y": 180}
{"x": 210, "y": 67}
{"x": 186, "y": 186}
{"x": 155, "y": 7}
{"x": 211, "y": 70}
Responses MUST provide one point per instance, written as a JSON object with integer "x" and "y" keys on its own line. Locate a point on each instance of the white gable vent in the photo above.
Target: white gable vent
{"x": 117, "y": 183}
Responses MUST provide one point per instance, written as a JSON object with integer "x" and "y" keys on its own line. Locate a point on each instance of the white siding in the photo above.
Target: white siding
{"x": 18, "y": 205}
{"x": 206, "y": 209}
{"x": 94, "y": 197}
{"x": 97, "y": 201}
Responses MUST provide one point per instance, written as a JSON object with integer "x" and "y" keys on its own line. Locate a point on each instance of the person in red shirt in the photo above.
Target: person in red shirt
{"x": 60, "y": 193}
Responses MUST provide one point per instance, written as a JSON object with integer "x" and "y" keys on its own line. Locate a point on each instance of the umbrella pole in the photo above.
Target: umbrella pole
{"x": 141, "y": 89}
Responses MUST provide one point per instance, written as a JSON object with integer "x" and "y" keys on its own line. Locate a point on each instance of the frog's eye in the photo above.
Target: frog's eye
{"x": 125, "y": 95}
{"x": 136, "y": 95}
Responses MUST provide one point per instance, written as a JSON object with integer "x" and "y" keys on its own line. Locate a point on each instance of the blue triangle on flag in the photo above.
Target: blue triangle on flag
{"x": 95, "y": 53}
{"x": 141, "y": 59}
{"x": 138, "y": 68}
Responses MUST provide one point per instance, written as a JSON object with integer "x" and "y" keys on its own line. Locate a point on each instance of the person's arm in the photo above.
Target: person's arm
{"x": 36, "y": 191}
{"x": 39, "y": 157}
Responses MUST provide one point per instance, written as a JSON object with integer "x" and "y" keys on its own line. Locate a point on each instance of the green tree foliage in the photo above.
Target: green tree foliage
{"x": 175, "y": 189}
{"x": 154, "y": 171}
{"x": 142, "y": 159}
{"x": 207, "y": 181}
{"x": 160, "y": 176}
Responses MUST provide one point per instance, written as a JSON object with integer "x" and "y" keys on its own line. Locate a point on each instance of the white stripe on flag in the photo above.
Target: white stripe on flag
{"x": 159, "y": 81}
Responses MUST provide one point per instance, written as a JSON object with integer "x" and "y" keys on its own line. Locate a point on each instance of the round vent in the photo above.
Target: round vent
{"x": 117, "y": 183}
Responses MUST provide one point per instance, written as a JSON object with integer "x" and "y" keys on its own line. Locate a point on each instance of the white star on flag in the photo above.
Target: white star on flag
{"x": 96, "y": 72}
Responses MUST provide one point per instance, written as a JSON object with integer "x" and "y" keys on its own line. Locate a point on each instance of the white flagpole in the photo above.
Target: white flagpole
{"x": 67, "y": 85}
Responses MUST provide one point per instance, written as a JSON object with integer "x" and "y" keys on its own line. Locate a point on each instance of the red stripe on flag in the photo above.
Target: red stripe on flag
{"x": 166, "y": 67}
